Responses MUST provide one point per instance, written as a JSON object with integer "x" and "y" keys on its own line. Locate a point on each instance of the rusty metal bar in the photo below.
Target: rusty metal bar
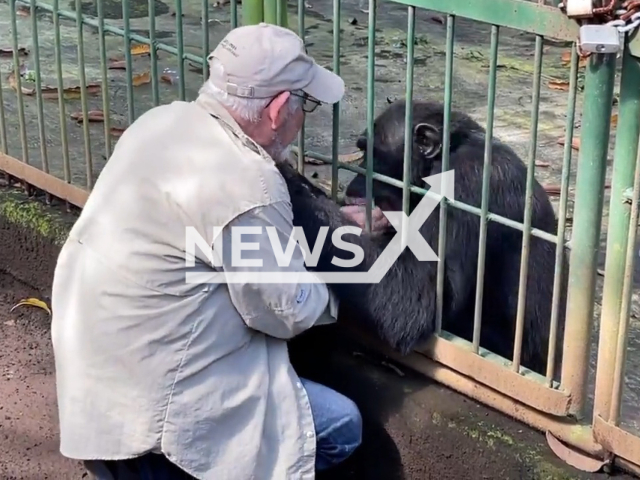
{"x": 625, "y": 160}
{"x": 592, "y": 163}
{"x": 491, "y": 370}
{"x": 39, "y": 179}
{"x": 528, "y": 209}
{"x": 562, "y": 216}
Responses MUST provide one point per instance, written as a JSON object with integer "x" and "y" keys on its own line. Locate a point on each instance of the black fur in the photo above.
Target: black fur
{"x": 402, "y": 307}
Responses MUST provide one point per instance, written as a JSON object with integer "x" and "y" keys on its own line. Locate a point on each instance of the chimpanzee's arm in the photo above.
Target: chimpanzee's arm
{"x": 401, "y": 308}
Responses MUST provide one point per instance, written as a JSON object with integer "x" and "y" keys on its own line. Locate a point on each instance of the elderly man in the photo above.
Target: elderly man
{"x": 163, "y": 378}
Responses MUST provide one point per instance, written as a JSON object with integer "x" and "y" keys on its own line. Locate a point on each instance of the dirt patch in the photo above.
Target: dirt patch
{"x": 28, "y": 410}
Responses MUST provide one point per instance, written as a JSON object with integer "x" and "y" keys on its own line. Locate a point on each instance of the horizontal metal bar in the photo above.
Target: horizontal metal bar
{"x": 118, "y": 31}
{"x": 491, "y": 370}
{"x": 565, "y": 429}
{"x": 491, "y": 217}
{"x": 44, "y": 181}
{"x": 616, "y": 440}
{"x": 517, "y": 14}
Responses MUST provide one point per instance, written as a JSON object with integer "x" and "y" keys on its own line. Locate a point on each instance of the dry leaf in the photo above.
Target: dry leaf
{"x": 52, "y": 92}
{"x": 575, "y": 143}
{"x": 543, "y": 164}
{"x": 117, "y": 65}
{"x": 566, "y": 60}
{"x": 167, "y": 79}
{"x": 553, "y": 190}
{"x": 140, "y": 49}
{"x": 559, "y": 85}
{"x": 614, "y": 119}
{"x": 92, "y": 116}
{"x": 33, "y": 302}
{"x": 117, "y": 131}
{"x": 23, "y": 11}
{"x": 141, "y": 79}
{"x": 8, "y": 52}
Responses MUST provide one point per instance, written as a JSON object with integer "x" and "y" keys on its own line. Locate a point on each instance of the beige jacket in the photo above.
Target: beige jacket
{"x": 148, "y": 362}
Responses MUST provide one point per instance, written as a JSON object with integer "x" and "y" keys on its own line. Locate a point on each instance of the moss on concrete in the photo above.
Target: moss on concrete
{"x": 47, "y": 222}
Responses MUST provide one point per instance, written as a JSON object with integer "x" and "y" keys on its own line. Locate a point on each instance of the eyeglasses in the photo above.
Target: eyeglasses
{"x": 310, "y": 103}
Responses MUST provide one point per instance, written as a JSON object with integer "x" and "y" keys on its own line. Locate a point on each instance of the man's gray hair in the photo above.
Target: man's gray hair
{"x": 248, "y": 109}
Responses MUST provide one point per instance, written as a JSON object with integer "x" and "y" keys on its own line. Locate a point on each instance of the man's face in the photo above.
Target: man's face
{"x": 278, "y": 127}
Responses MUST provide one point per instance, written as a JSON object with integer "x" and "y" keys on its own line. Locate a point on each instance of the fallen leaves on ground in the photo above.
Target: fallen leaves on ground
{"x": 566, "y": 59}
{"x": 141, "y": 79}
{"x": 8, "y": 52}
{"x": 140, "y": 49}
{"x": 614, "y": 119}
{"x": 92, "y": 116}
{"x": 575, "y": 143}
{"x": 35, "y": 302}
{"x": 52, "y": 92}
{"x": 117, "y": 131}
{"x": 559, "y": 85}
{"x": 167, "y": 79}
{"x": 117, "y": 65}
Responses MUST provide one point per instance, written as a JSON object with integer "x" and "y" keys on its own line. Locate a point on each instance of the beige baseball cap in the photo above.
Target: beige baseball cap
{"x": 263, "y": 60}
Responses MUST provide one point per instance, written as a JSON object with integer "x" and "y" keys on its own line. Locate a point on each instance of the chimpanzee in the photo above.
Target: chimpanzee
{"x": 401, "y": 309}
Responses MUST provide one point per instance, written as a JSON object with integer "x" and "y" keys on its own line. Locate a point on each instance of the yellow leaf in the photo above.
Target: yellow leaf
{"x": 140, "y": 49}
{"x": 141, "y": 79}
{"x": 33, "y": 302}
{"x": 614, "y": 119}
{"x": 558, "y": 85}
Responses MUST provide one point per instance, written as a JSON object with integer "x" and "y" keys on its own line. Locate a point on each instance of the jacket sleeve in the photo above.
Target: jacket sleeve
{"x": 254, "y": 272}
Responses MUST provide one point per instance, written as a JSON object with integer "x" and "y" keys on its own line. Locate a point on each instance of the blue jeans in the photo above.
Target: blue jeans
{"x": 338, "y": 424}
{"x": 338, "y": 427}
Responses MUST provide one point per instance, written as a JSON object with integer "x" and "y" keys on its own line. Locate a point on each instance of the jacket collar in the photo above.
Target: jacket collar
{"x": 220, "y": 113}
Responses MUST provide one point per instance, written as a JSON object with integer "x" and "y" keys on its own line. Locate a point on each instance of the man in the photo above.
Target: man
{"x": 163, "y": 377}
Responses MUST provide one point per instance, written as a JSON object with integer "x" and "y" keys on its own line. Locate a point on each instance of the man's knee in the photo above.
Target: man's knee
{"x": 338, "y": 424}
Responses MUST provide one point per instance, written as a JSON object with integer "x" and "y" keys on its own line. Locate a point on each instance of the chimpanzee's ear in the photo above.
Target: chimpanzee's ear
{"x": 428, "y": 140}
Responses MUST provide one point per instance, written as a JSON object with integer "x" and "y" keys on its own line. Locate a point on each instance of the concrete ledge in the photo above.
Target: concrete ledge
{"x": 31, "y": 235}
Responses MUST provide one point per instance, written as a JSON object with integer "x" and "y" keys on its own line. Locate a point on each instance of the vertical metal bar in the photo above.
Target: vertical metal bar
{"x": 105, "y": 79}
{"x": 446, "y": 139}
{"x": 270, "y": 11}
{"x": 624, "y": 318}
{"x": 153, "y": 52}
{"x": 180, "y": 41}
{"x": 587, "y": 218}
{"x": 371, "y": 73}
{"x": 408, "y": 119}
{"x": 283, "y": 14}
{"x": 562, "y": 215}
{"x": 61, "y": 106}
{"x": 488, "y": 153}
{"x": 301, "y": 33}
{"x": 234, "y": 13}
{"x": 252, "y": 12}
{"x": 129, "y": 63}
{"x": 4, "y": 144}
{"x": 205, "y": 38}
{"x": 36, "y": 59}
{"x": 626, "y": 151}
{"x": 335, "y": 136}
{"x": 18, "y": 80}
{"x": 528, "y": 207}
{"x": 83, "y": 96}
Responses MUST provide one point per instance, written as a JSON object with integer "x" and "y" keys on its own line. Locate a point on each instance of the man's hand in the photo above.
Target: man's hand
{"x": 358, "y": 214}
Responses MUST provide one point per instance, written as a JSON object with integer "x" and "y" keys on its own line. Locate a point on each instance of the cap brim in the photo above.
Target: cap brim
{"x": 326, "y": 86}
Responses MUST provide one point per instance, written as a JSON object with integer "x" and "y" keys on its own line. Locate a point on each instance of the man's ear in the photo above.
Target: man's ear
{"x": 275, "y": 112}
{"x": 428, "y": 140}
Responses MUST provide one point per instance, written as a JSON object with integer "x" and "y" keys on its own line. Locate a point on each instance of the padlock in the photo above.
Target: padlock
{"x": 578, "y": 8}
{"x": 600, "y": 39}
